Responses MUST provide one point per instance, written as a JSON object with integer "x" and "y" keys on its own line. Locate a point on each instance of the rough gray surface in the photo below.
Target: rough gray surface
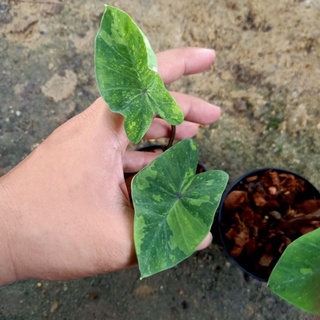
{"x": 266, "y": 78}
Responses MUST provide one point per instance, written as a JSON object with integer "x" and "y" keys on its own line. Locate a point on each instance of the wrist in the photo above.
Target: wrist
{"x": 7, "y": 266}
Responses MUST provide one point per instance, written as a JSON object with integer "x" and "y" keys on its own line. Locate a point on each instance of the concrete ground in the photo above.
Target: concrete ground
{"x": 266, "y": 78}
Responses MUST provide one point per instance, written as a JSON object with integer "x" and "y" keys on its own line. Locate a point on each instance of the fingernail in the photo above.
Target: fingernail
{"x": 208, "y": 51}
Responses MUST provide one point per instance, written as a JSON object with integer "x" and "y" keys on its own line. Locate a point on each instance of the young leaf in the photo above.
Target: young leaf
{"x": 174, "y": 208}
{"x": 126, "y": 73}
{"x": 296, "y": 276}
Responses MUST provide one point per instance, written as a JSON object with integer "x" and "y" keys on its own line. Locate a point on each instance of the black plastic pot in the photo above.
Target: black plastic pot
{"x": 225, "y": 218}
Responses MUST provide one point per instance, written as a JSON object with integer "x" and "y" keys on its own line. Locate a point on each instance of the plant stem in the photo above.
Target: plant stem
{"x": 172, "y": 136}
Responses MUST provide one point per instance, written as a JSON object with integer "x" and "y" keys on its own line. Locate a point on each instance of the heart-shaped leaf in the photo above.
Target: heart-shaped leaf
{"x": 296, "y": 276}
{"x": 174, "y": 207}
{"x": 126, "y": 73}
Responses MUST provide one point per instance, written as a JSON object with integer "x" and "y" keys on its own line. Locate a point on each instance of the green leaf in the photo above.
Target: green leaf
{"x": 296, "y": 276}
{"x": 174, "y": 208}
{"x": 126, "y": 73}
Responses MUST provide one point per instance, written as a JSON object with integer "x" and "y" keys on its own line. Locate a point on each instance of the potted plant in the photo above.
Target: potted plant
{"x": 174, "y": 207}
{"x": 268, "y": 221}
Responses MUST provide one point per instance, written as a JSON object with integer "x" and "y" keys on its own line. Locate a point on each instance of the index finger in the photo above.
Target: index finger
{"x": 175, "y": 63}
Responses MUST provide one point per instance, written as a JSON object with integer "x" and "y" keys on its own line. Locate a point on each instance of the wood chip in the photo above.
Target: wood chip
{"x": 265, "y": 260}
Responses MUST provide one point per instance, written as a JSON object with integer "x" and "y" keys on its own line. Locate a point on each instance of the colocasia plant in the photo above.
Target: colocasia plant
{"x": 174, "y": 207}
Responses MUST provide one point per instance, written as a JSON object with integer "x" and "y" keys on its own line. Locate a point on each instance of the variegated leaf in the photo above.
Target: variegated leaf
{"x": 174, "y": 207}
{"x": 127, "y": 77}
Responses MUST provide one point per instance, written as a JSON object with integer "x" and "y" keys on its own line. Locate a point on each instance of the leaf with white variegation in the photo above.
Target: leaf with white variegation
{"x": 126, "y": 72}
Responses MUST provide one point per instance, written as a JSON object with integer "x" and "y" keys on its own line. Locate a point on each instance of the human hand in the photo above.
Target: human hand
{"x": 64, "y": 210}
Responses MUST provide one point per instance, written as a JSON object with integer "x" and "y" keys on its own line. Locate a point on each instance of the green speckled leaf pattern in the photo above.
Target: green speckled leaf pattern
{"x": 296, "y": 276}
{"x": 174, "y": 207}
{"x": 126, "y": 73}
